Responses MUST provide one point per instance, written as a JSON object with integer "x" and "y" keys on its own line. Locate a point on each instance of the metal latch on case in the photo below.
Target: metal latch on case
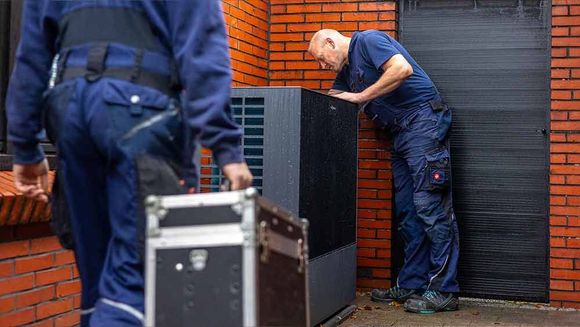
{"x": 198, "y": 259}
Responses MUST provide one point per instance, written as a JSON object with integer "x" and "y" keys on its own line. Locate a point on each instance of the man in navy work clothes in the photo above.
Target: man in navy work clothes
{"x": 376, "y": 72}
{"x": 130, "y": 79}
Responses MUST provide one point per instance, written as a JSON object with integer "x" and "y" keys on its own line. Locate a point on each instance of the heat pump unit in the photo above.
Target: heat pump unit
{"x": 301, "y": 147}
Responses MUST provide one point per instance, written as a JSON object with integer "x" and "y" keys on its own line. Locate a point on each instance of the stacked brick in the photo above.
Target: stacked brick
{"x": 39, "y": 283}
{"x": 565, "y": 155}
{"x": 247, "y": 28}
{"x": 15, "y": 209}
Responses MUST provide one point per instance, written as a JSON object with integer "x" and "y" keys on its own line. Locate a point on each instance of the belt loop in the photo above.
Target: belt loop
{"x": 96, "y": 61}
{"x": 437, "y": 105}
{"x": 137, "y": 66}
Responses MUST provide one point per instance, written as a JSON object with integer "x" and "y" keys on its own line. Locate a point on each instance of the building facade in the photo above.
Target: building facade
{"x": 511, "y": 69}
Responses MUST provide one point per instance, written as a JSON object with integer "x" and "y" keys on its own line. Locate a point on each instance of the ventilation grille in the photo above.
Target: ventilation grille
{"x": 249, "y": 114}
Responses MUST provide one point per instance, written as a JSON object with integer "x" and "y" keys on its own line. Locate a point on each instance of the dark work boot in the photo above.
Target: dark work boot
{"x": 433, "y": 301}
{"x": 394, "y": 293}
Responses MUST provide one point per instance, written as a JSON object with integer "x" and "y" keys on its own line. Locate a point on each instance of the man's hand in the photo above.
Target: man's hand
{"x": 239, "y": 175}
{"x": 32, "y": 180}
{"x": 349, "y": 96}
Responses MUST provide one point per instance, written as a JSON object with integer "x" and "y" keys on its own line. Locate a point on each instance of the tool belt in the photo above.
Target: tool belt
{"x": 117, "y": 43}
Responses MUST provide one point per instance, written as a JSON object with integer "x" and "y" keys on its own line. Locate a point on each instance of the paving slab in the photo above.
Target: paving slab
{"x": 472, "y": 313}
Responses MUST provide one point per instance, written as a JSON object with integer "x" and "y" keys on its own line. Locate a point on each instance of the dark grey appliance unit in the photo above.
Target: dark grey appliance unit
{"x": 301, "y": 146}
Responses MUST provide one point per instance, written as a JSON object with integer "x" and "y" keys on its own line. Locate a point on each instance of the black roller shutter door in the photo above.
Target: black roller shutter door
{"x": 490, "y": 60}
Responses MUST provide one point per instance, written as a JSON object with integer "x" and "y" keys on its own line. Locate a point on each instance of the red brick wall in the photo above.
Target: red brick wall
{"x": 293, "y": 22}
{"x": 565, "y": 155}
{"x": 247, "y": 27}
{"x": 39, "y": 283}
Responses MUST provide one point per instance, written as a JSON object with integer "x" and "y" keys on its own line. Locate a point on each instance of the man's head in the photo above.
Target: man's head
{"x": 330, "y": 49}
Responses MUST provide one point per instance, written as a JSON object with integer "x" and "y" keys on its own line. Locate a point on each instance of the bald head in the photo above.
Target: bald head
{"x": 330, "y": 49}
{"x": 320, "y": 37}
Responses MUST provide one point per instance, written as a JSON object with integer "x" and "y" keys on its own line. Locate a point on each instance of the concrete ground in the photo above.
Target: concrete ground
{"x": 472, "y": 313}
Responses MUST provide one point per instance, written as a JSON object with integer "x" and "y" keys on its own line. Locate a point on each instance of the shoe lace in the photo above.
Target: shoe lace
{"x": 430, "y": 294}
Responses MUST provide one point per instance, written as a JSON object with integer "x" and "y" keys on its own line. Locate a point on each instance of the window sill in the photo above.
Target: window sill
{"x": 15, "y": 209}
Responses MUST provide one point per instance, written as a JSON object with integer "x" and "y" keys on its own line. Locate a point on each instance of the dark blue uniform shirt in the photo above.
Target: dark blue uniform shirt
{"x": 368, "y": 51}
{"x": 193, "y": 32}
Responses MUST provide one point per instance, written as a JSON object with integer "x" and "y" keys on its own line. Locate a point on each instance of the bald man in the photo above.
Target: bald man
{"x": 377, "y": 73}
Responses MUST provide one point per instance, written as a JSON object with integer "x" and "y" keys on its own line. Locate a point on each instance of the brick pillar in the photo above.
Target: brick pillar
{"x": 565, "y": 155}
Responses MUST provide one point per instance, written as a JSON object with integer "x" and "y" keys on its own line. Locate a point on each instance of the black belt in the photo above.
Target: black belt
{"x": 160, "y": 82}
{"x": 436, "y": 105}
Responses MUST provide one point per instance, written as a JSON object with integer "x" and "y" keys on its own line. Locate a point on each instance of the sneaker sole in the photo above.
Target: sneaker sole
{"x": 376, "y": 299}
{"x": 431, "y": 311}
{"x": 428, "y": 312}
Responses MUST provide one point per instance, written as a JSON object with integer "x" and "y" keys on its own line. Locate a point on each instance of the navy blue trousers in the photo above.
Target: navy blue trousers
{"x": 101, "y": 128}
{"x": 421, "y": 166}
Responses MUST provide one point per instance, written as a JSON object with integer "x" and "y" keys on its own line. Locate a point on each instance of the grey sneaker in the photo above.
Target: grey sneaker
{"x": 433, "y": 301}
{"x": 394, "y": 293}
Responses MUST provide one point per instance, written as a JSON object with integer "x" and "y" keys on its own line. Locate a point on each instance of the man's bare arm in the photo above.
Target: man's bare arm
{"x": 396, "y": 71}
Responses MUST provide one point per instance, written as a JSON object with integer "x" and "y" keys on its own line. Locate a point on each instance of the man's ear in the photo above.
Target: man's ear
{"x": 330, "y": 42}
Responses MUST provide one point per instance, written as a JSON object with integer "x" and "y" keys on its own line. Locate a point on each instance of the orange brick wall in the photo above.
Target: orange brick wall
{"x": 565, "y": 155}
{"x": 293, "y": 23}
{"x": 247, "y": 27}
{"x": 39, "y": 283}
